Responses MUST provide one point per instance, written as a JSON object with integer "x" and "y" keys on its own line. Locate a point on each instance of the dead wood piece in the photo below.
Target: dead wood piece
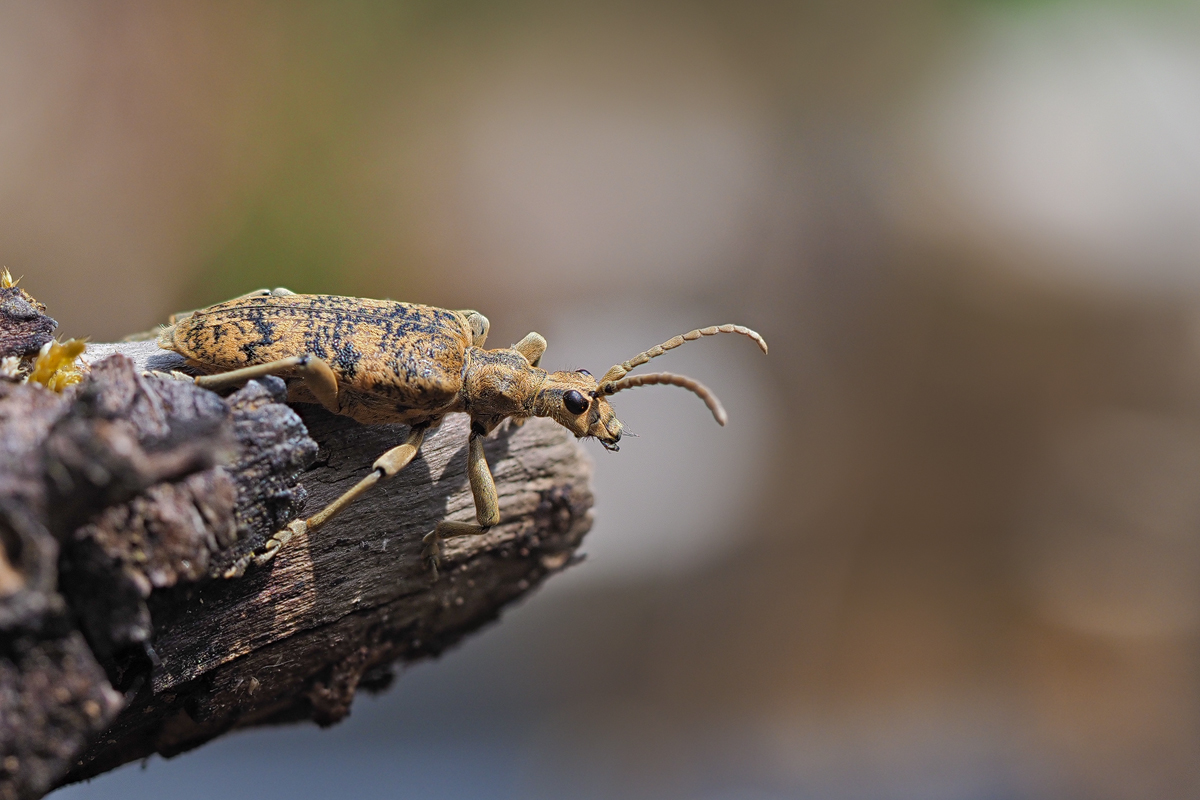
{"x": 122, "y": 485}
{"x": 55, "y": 699}
{"x": 24, "y": 326}
{"x": 153, "y": 488}
{"x": 274, "y": 449}
{"x": 28, "y": 552}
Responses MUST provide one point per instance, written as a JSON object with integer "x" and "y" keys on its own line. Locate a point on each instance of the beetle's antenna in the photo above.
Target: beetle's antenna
{"x": 619, "y": 371}
{"x": 667, "y": 379}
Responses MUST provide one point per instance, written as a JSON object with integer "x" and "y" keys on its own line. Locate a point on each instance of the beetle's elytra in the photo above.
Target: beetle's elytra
{"x": 394, "y": 362}
{"x": 379, "y": 361}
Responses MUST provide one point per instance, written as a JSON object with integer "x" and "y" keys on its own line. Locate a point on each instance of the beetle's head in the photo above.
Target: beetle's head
{"x": 572, "y": 400}
{"x": 579, "y": 402}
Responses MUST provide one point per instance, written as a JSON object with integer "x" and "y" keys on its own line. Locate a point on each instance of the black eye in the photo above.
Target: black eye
{"x": 583, "y": 372}
{"x": 575, "y": 402}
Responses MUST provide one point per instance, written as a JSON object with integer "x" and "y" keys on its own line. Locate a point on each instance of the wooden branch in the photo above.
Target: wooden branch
{"x": 141, "y": 492}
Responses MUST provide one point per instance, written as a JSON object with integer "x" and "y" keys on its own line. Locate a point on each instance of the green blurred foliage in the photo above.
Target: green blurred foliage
{"x": 302, "y": 226}
{"x": 297, "y": 226}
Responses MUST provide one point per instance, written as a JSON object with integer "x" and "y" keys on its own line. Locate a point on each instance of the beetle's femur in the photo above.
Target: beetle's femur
{"x": 667, "y": 379}
{"x": 619, "y": 371}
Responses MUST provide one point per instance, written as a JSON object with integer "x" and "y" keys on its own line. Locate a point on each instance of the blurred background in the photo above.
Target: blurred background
{"x": 948, "y": 545}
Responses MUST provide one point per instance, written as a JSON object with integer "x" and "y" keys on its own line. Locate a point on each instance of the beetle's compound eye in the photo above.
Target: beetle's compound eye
{"x": 575, "y": 402}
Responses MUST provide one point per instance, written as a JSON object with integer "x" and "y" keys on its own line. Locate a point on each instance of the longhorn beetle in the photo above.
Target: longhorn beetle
{"x": 379, "y": 361}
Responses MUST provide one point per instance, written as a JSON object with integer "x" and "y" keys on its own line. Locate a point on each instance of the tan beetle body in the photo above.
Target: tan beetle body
{"x": 380, "y": 361}
{"x": 395, "y": 362}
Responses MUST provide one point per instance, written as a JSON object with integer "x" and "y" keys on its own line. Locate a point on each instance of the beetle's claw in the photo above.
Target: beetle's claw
{"x": 432, "y": 551}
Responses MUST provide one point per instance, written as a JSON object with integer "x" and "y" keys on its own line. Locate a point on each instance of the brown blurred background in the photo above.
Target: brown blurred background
{"x": 949, "y": 544}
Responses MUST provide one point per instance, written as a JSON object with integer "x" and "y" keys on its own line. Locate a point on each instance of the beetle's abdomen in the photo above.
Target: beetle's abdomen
{"x": 412, "y": 355}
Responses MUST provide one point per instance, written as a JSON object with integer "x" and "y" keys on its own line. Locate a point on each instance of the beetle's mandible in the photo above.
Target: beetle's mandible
{"x": 380, "y": 361}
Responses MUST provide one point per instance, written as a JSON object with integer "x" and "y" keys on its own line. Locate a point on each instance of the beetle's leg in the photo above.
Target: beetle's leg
{"x": 479, "y": 326}
{"x": 278, "y": 291}
{"x": 316, "y": 373}
{"x": 532, "y": 347}
{"x": 173, "y": 375}
{"x": 385, "y": 466}
{"x": 487, "y": 509}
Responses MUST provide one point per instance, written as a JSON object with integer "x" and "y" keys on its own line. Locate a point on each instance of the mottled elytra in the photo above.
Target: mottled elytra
{"x": 379, "y": 361}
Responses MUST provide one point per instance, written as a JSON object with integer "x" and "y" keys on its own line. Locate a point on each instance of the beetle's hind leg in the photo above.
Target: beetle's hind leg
{"x": 487, "y": 508}
{"x": 384, "y": 467}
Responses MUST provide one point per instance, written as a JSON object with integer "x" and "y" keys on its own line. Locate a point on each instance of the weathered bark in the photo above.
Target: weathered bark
{"x": 24, "y": 326}
{"x": 124, "y": 501}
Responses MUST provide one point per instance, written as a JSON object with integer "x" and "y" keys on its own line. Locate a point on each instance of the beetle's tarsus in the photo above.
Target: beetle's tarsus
{"x": 281, "y": 538}
{"x": 447, "y": 530}
{"x": 268, "y": 551}
{"x": 479, "y": 326}
{"x": 432, "y": 552}
{"x": 173, "y": 375}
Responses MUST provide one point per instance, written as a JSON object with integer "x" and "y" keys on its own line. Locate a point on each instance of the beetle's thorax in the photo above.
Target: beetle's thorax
{"x": 499, "y": 383}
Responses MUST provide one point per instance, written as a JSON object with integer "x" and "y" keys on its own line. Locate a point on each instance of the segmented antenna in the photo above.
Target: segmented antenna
{"x": 619, "y": 371}
{"x": 667, "y": 379}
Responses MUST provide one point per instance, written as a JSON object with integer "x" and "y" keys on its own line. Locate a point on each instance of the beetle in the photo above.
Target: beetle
{"x": 380, "y": 361}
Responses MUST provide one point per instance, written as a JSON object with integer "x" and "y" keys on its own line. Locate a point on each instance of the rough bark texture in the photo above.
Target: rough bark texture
{"x": 24, "y": 326}
{"x": 125, "y": 500}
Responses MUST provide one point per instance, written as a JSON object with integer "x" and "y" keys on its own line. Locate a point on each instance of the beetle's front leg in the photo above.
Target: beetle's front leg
{"x": 487, "y": 508}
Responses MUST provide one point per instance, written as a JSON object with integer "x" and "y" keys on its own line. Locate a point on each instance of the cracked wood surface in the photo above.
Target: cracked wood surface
{"x": 295, "y": 639}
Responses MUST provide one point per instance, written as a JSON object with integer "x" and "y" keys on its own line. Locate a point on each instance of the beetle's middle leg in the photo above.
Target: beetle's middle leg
{"x": 487, "y": 507}
{"x": 533, "y": 346}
